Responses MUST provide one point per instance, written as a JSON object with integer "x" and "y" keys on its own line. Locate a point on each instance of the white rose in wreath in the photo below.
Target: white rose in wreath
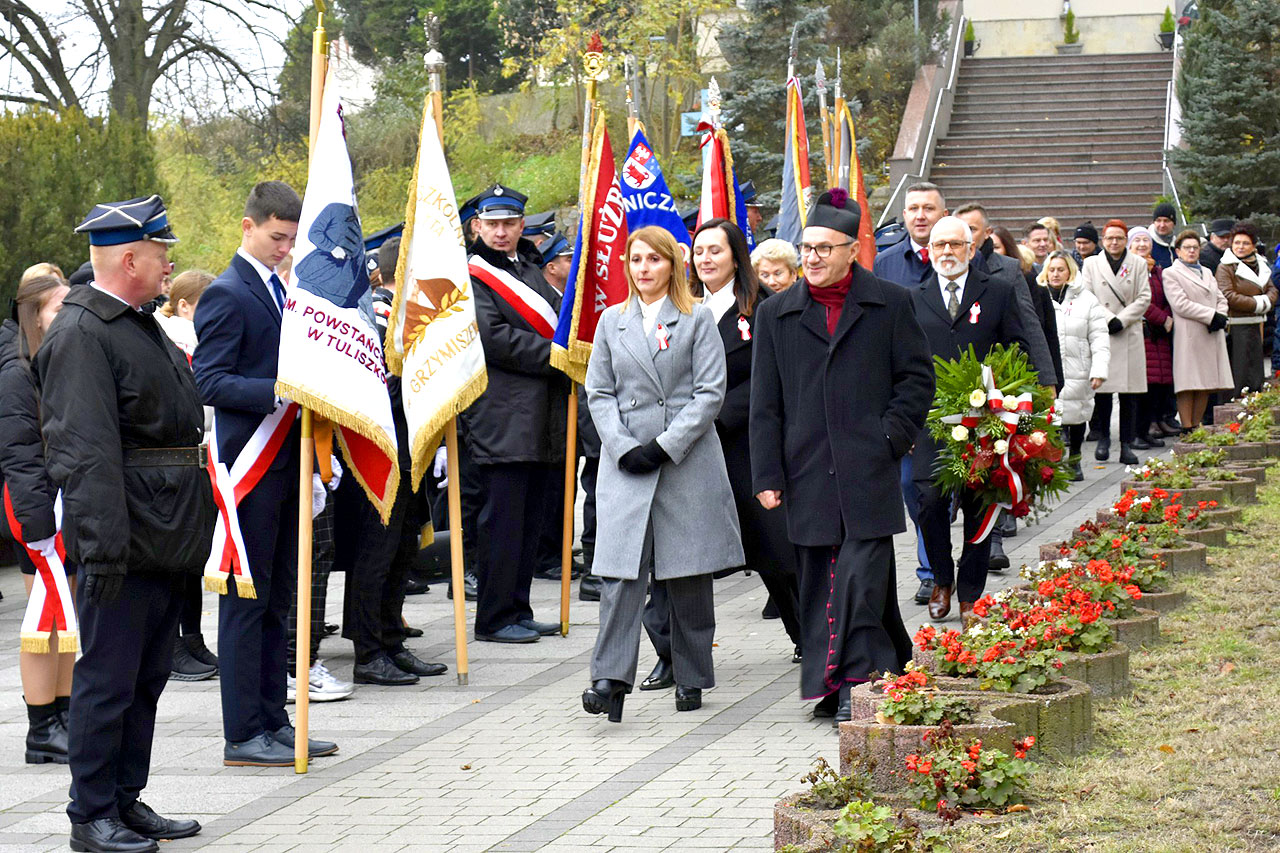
{"x": 977, "y": 398}
{"x": 1010, "y": 403}
{"x": 959, "y": 433}
{"x": 1001, "y": 447}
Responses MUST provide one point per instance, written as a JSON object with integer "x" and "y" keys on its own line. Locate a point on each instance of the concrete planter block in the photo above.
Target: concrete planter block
{"x": 1273, "y": 449}
{"x": 1141, "y": 629}
{"x": 1107, "y": 673}
{"x": 1227, "y": 413}
{"x": 1188, "y": 557}
{"x": 1257, "y": 473}
{"x": 883, "y": 748}
{"x": 1235, "y": 452}
{"x": 1223, "y": 515}
{"x": 1164, "y": 602}
{"x": 1215, "y": 536}
{"x": 807, "y": 828}
{"x": 1243, "y": 490}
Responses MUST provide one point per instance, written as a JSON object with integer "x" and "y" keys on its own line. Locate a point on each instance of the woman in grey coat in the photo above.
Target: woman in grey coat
{"x": 654, "y": 386}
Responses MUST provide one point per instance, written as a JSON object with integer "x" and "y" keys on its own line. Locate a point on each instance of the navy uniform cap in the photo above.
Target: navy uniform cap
{"x": 554, "y": 248}
{"x": 540, "y": 223}
{"x": 748, "y": 192}
{"x": 117, "y": 222}
{"x": 499, "y": 202}
{"x": 468, "y": 209}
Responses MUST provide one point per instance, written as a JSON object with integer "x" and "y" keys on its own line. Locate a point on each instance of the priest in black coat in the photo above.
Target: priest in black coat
{"x": 841, "y": 382}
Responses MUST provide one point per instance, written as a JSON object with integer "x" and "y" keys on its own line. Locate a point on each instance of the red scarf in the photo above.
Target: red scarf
{"x": 832, "y": 298}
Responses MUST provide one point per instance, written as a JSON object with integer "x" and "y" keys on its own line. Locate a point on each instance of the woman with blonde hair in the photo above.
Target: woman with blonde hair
{"x": 44, "y": 268}
{"x": 48, "y": 643}
{"x": 1085, "y": 345}
{"x": 776, "y": 264}
{"x": 177, "y": 315}
{"x": 655, "y": 384}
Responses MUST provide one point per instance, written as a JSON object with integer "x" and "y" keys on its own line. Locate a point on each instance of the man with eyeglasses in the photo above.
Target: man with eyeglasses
{"x": 840, "y": 360}
{"x": 959, "y": 306}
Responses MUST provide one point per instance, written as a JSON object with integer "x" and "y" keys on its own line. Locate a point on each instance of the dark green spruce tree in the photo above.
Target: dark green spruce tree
{"x": 1229, "y": 90}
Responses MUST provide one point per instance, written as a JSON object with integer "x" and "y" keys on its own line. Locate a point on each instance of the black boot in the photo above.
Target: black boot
{"x": 1103, "y": 450}
{"x": 187, "y": 668}
{"x": 46, "y": 735}
{"x": 998, "y": 561}
{"x": 1127, "y": 456}
{"x": 199, "y": 651}
{"x": 63, "y": 704}
{"x": 844, "y": 710}
{"x": 605, "y": 695}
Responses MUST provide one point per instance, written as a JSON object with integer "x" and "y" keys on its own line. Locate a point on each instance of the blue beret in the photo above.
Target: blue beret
{"x": 554, "y": 248}
{"x": 117, "y": 222}
{"x": 499, "y": 202}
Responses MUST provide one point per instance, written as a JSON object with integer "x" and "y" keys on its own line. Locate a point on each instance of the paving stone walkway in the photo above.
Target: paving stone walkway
{"x": 509, "y": 762}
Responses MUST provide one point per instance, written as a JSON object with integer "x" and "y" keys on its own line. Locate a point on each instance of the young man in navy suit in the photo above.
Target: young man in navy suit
{"x": 238, "y": 325}
{"x": 958, "y": 306}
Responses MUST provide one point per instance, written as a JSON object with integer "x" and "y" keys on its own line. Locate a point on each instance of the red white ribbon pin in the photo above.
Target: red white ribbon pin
{"x": 744, "y": 328}
{"x": 975, "y": 311}
{"x": 663, "y": 336}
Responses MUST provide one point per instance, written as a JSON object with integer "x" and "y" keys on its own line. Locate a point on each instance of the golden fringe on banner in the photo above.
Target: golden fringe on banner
{"x": 367, "y": 428}
{"x": 218, "y": 585}
{"x": 730, "y": 181}
{"x": 429, "y": 434}
{"x": 572, "y": 360}
{"x": 39, "y": 644}
{"x": 395, "y": 361}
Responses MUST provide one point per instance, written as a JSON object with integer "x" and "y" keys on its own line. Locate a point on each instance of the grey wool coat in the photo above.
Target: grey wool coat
{"x": 637, "y": 392}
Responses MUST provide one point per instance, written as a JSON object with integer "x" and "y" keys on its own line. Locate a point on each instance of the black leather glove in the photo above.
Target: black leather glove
{"x": 102, "y": 589}
{"x": 1114, "y": 326}
{"x": 1218, "y": 322}
{"x": 644, "y": 459}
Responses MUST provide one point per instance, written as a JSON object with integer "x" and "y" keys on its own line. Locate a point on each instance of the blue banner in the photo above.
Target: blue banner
{"x": 645, "y": 196}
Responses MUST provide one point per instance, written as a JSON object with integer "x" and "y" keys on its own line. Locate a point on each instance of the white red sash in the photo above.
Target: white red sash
{"x": 49, "y": 606}
{"x": 227, "y": 557}
{"x": 530, "y": 304}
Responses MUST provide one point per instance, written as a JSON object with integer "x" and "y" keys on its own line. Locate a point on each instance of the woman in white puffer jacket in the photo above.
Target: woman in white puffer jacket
{"x": 1085, "y": 345}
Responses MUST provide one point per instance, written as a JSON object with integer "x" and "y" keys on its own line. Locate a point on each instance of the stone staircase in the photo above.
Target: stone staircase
{"x": 1076, "y": 137}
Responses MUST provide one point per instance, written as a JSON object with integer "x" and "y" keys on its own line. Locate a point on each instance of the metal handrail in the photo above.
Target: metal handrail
{"x": 892, "y": 205}
{"x": 1170, "y": 102}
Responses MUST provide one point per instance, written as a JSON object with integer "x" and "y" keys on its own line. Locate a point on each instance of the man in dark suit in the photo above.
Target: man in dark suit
{"x": 238, "y": 324}
{"x": 958, "y": 307}
{"x": 840, "y": 360}
{"x": 515, "y": 431}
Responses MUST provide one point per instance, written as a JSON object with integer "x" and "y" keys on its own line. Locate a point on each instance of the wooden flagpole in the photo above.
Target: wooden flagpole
{"x": 593, "y": 69}
{"x": 837, "y": 132}
{"x": 434, "y": 61}
{"x": 307, "y": 452}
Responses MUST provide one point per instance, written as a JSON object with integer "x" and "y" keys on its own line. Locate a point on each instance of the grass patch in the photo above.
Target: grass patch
{"x": 1190, "y": 761}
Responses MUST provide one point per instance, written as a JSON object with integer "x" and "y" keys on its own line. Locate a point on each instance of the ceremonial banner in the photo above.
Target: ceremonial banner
{"x": 796, "y": 188}
{"x": 645, "y": 196}
{"x": 432, "y": 337}
{"x": 597, "y": 277}
{"x": 721, "y": 198}
{"x": 849, "y": 177}
{"x": 330, "y": 353}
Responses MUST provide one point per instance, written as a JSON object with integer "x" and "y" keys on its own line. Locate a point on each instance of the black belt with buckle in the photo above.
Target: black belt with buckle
{"x": 159, "y": 457}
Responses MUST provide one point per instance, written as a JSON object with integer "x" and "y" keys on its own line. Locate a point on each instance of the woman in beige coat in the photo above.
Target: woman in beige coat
{"x": 1200, "y": 364}
{"x": 1118, "y": 278}
{"x": 1245, "y": 280}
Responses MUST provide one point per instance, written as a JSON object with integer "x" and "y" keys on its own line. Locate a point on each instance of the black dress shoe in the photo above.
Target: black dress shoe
{"x": 409, "y": 662}
{"x": 416, "y": 587}
{"x": 923, "y": 593}
{"x": 826, "y": 706}
{"x": 688, "y": 698}
{"x": 1153, "y": 440}
{"x": 770, "y": 610}
{"x": 542, "y": 629}
{"x": 260, "y": 751}
{"x": 329, "y": 629}
{"x": 844, "y": 709}
{"x": 382, "y": 671}
{"x": 661, "y": 678}
{"x": 1171, "y": 428}
{"x": 287, "y": 736}
{"x": 1127, "y": 456}
{"x": 589, "y": 588}
{"x": 109, "y": 835}
{"x": 412, "y": 632}
{"x": 605, "y": 695}
{"x": 510, "y": 634}
{"x": 998, "y": 561}
{"x": 470, "y": 586}
{"x": 797, "y": 655}
{"x": 142, "y": 819}
{"x": 1103, "y": 450}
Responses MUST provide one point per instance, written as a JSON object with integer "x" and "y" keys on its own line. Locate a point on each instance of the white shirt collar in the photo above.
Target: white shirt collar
{"x": 649, "y": 312}
{"x": 263, "y": 271}
{"x": 916, "y": 247}
{"x": 721, "y": 301}
{"x": 942, "y": 285}
{"x": 102, "y": 289}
